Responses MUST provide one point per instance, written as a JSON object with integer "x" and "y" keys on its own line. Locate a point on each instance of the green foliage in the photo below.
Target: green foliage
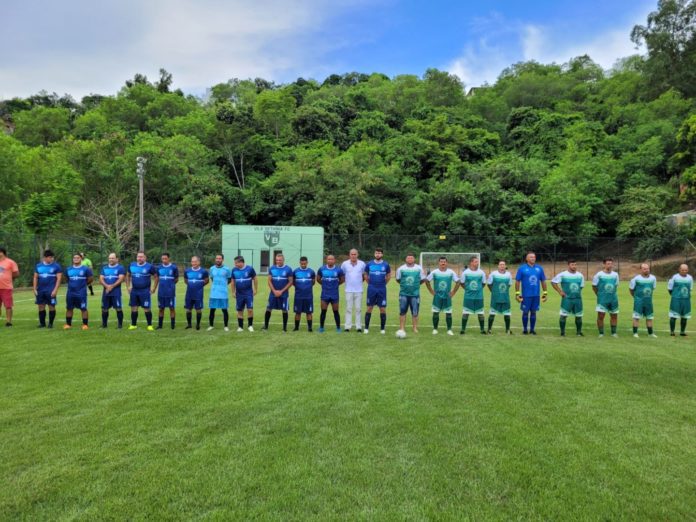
{"x": 41, "y": 125}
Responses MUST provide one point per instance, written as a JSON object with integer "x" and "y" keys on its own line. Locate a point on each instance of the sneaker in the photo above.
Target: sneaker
{"x": 382, "y": 332}
{"x": 321, "y": 329}
{"x": 67, "y": 327}
{"x": 251, "y": 328}
{"x": 240, "y": 329}
{"x": 226, "y": 328}
{"x": 450, "y": 332}
{"x": 133, "y": 327}
{"x": 634, "y": 335}
{"x": 150, "y": 328}
{"x": 653, "y": 336}
{"x": 210, "y": 328}
{"x": 434, "y": 332}
{"x": 85, "y": 327}
{"x": 366, "y": 331}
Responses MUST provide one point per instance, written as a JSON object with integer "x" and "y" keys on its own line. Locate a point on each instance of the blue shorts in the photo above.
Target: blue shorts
{"x": 218, "y": 303}
{"x": 277, "y": 303}
{"x": 76, "y": 301}
{"x": 111, "y": 301}
{"x": 530, "y": 304}
{"x": 193, "y": 303}
{"x": 377, "y": 297}
{"x": 166, "y": 302}
{"x": 329, "y": 299}
{"x": 303, "y": 305}
{"x": 245, "y": 301}
{"x": 139, "y": 298}
{"x": 44, "y": 298}
{"x": 406, "y": 302}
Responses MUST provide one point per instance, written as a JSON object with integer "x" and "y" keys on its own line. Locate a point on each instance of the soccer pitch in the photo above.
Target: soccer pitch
{"x": 121, "y": 424}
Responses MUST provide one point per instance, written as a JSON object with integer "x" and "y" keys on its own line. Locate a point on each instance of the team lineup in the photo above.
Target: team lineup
{"x": 143, "y": 280}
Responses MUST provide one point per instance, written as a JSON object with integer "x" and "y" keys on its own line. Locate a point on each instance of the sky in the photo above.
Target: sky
{"x": 80, "y": 47}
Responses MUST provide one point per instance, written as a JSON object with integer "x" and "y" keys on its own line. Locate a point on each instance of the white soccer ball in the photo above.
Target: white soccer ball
{"x": 401, "y": 334}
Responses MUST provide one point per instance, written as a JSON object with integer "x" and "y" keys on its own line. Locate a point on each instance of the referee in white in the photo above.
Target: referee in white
{"x": 353, "y": 268}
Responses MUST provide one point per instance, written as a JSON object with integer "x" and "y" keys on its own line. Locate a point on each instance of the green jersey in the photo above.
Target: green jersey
{"x": 681, "y": 287}
{"x": 643, "y": 287}
{"x": 409, "y": 278}
{"x": 606, "y": 286}
{"x": 442, "y": 282}
{"x": 500, "y": 284}
{"x": 473, "y": 282}
{"x": 571, "y": 284}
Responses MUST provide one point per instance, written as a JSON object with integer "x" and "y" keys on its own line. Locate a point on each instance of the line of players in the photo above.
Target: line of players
{"x": 143, "y": 279}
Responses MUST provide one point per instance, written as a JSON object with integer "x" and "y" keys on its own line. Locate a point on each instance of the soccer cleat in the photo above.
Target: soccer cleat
{"x": 562, "y": 335}
{"x": 210, "y": 328}
{"x": 264, "y": 328}
{"x": 251, "y": 328}
{"x": 490, "y": 332}
{"x": 382, "y": 332}
{"x": 240, "y": 329}
{"x": 102, "y": 326}
{"x": 671, "y": 334}
{"x": 49, "y": 326}
{"x": 338, "y": 329}
{"x": 525, "y": 332}
{"x": 634, "y": 335}
{"x": 85, "y": 327}
{"x": 8, "y": 325}
{"x": 653, "y": 336}
{"x": 226, "y": 328}
{"x": 132, "y": 327}
{"x": 580, "y": 334}
{"x": 434, "y": 332}
{"x": 509, "y": 332}
{"x": 159, "y": 328}
{"x": 683, "y": 334}
{"x": 532, "y": 332}
{"x": 483, "y": 332}
{"x": 450, "y": 332}
{"x": 461, "y": 332}
{"x": 188, "y": 327}
{"x": 601, "y": 335}
{"x": 366, "y": 331}
{"x": 614, "y": 335}
{"x": 321, "y": 329}
{"x": 198, "y": 327}
{"x": 415, "y": 330}
{"x": 295, "y": 329}
{"x": 359, "y": 330}
{"x": 67, "y": 327}
{"x": 150, "y": 328}
{"x": 42, "y": 326}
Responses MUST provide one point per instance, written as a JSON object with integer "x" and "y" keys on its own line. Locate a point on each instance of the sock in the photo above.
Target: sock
{"x": 250, "y": 321}
{"x": 672, "y": 324}
{"x": 51, "y": 316}
{"x": 240, "y": 322}
{"x": 199, "y": 316}
{"x": 635, "y": 330}
{"x": 650, "y": 330}
{"x": 322, "y": 318}
{"x": 188, "y": 318}
{"x": 297, "y": 324}
{"x": 134, "y": 318}
{"x": 160, "y": 321}
{"x": 309, "y": 325}
{"x": 601, "y": 330}
{"x": 68, "y": 320}
{"x": 525, "y": 320}
{"x": 532, "y": 321}
{"x": 482, "y": 324}
{"x": 337, "y": 318}
{"x": 436, "y": 320}
{"x": 682, "y": 325}
{"x": 613, "y": 329}
{"x": 578, "y": 324}
{"x": 85, "y": 321}
{"x": 267, "y": 319}
{"x": 383, "y": 321}
{"x": 42, "y": 317}
{"x": 562, "y": 323}
{"x": 507, "y": 322}
{"x": 119, "y": 317}
{"x": 211, "y": 317}
{"x": 285, "y": 321}
{"x": 172, "y": 321}
{"x": 465, "y": 319}
{"x": 225, "y": 317}
{"x": 491, "y": 318}
{"x": 105, "y": 318}
{"x": 448, "y": 320}
{"x": 148, "y": 318}
{"x": 368, "y": 315}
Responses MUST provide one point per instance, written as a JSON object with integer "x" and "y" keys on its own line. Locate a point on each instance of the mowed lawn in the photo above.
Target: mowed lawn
{"x": 213, "y": 425}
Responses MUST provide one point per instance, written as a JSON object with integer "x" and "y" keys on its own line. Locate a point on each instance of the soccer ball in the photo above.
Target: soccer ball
{"x": 401, "y": 334}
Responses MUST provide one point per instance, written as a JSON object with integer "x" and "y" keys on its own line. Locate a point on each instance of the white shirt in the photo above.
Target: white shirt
{"x": 354, "y": 275}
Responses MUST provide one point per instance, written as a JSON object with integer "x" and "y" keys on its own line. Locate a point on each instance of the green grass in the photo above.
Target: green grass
{"x": 207, "y": 425}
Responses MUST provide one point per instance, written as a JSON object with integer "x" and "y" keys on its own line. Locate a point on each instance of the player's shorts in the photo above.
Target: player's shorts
{"x": 220, "y": 304}
{"x": 190, "y": 304}
{"x": 608, "y": 307}
{"x": 44, "y": 298}
{"x": 6, "y": 297}
{"x": 643, "y": 309}
{"x": 680, "y": 309}
{"x": 500, "y": 308}
{"x": 277, "y": 303}
{"x": 442, "y": 304}
{"x": 473, "y": 306}
{"x": 76, "y": 301}
{"x": 329, "y": 299}
{"x": 111, "y": 301}
{"x": 409, "y": 301}
{"x": 376, "y": 297}
{"x": 245, "y": 301}
{"x": 140, "y": 298}
{"x": 303, "y": 305}
{"x": 530, "y": 303}
{"x": 571, "y": 307}
{"x": 166, "y": 302}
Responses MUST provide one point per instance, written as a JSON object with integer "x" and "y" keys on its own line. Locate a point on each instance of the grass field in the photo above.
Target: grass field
{"x": 212, "y": 425}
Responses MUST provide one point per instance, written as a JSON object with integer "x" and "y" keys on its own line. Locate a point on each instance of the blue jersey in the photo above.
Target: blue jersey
{"x": 303, "y": 281}
{"x": 377, "y": 274}
{"x": 195, "y": 281}
{"x": 220, "y": 277}
{"x": 168, "y": 274}
{"x": 280, "y": 276}
{"x": 531, "y": 277}
{"x": 330, "y": 280}
{"x": 47, "y": 276}
{"x": 141, "y": 275}
{"x": 243, "y": 280}
{"x": 77, "y": 280}
{"x": 110, "y": 275}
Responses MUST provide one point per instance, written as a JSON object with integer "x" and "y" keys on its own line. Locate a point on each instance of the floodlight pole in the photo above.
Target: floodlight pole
{"x": 141, "y": 175}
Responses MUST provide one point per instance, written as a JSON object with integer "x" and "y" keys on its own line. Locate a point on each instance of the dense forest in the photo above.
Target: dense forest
{"x": 549, "y": 150}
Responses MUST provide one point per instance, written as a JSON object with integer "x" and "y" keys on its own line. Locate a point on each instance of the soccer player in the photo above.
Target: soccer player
{"x": 472, "y": 281}
{"x": 220, "y": 275}
{"x": 303, "y": 278}
{"x": 111, "y": 278}
{"x": 8, "y": 273}
{"x": 353, "y": 270}
{"x": 605, "y": 284}
{"x": 529, "y": 276}
{"x": 569, "y": 285}
{"x": 641, "y": 288}
{"x": 78, "y": 277}
{"x": 330, "y": 277}
{"x": 167, "y": 278}
{"x": 442, "y": 278}
{"x": 47, "y": 278}
{"x": 244, "y": 287}
{"x": 138, "y": 282}
{"x": 679, "y": 287}
{"x": 195, "y": 278}
{"x": 279, "y": 280}
{"x": 499, "y": 283}
{"x": 409, "y": 276}
{"x": 377, "y": 274}
{"x": 88, "y": 263}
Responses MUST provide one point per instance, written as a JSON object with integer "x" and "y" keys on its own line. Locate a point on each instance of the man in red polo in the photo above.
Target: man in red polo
{"x": 8, "y": 273}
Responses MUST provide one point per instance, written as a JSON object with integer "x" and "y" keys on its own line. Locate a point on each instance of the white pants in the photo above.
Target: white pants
{"x": 353, "y": 302}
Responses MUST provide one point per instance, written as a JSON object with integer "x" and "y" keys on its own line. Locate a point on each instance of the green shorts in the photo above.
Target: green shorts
{"x": 500, "y": 308}
{"x": 609, "y": 306}
{"x": 473, "y": 306}
{"x": 442, "y": 304}
{"x": 571, "y": 307}
{"x": 680, "y": 309}
{"x": 643, "y": 309}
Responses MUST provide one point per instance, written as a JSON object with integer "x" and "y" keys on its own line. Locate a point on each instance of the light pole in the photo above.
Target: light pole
{"x": 141, "y": 175}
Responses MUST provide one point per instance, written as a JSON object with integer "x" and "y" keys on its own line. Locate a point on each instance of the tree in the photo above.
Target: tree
{"x": 41, "y": 125}
{"x": 274, "y": 110}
